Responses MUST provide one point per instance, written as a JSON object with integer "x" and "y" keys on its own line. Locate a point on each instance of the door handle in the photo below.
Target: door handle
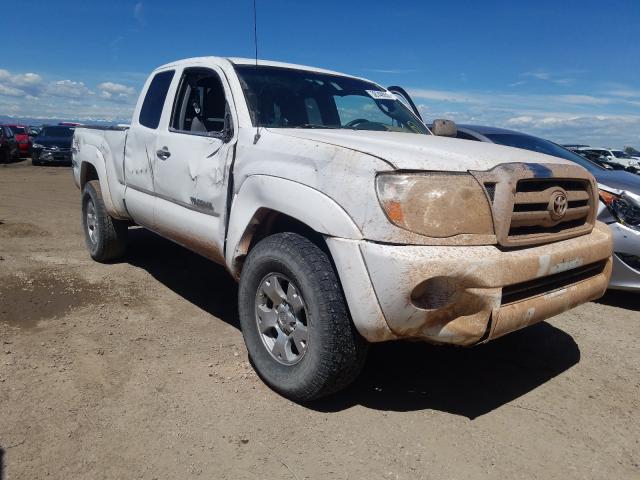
{"x": 163, "y": 153}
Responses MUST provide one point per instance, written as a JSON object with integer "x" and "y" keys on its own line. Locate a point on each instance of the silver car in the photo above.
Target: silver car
{"x": 619, "y": 198}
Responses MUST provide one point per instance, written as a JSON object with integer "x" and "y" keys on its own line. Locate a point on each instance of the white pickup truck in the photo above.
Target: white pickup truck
{"x": 345, "y": 220}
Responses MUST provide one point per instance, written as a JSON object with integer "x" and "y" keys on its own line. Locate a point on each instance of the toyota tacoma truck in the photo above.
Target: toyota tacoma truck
{"x": 344, "y": 219}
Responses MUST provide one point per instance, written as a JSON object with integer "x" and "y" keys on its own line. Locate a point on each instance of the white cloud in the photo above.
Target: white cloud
{"x": 447, "y": 96}
{"x": 68, "y": 89}
{"x": 32, "y": 95}
{"x": 116, "y": 88}
{"x": 538, "y": 74}
{"x": 27, "y": 79}
{"x": 566, "y": 118}
{"x": 19, "y": 85}
{"x": 623, "y": 91}
{"x": 544, "y": 76}
{"x": 138, "y": 13}
{"x": 10, "y": 91}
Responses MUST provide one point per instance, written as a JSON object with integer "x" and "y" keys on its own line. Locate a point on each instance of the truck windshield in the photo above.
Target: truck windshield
{"x": 287, "y": 98}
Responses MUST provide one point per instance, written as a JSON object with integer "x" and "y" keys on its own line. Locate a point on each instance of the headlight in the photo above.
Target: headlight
{"x": 435, "y": 204}
{"x": 37, "y": 145}
{"x": 623, "y": 207}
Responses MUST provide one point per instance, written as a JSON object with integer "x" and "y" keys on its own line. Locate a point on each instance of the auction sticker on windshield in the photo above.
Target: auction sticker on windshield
{"x": 381, "y": 95}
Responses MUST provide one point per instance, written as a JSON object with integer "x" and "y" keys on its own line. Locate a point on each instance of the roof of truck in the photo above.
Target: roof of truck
{"x": 252, "y": 61}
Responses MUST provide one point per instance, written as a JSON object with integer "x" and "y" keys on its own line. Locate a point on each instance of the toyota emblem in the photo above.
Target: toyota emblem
{"x": 558, "y": 204}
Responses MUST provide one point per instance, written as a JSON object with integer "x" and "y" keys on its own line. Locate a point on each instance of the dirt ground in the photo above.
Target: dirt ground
{"x": 138, "y": 370}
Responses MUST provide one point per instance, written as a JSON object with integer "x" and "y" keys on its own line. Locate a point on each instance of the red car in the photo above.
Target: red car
{"x": 21, "y": 133}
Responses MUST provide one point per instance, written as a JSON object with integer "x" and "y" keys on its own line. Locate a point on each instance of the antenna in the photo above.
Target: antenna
{"x": 255, "y": 29}
{"x": 255, "y": 42}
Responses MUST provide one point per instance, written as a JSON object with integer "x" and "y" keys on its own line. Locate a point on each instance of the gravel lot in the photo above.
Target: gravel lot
{"x": 138, "y": 370}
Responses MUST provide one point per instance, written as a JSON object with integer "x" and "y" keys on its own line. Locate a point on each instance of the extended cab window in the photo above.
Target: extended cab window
{"x": 200, "y": 104}
{"x": 154, "y": 100}
{"x": 288, "y": 98}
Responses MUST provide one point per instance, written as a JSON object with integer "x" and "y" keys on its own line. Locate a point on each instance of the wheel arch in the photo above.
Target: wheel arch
{"x": 93, "y": 166}
{"x": 88, "y": 172}
{"x": 265, "y": 205}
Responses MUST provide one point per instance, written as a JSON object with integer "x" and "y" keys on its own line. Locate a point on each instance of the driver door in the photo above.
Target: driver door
{"x": 193, "y": 154}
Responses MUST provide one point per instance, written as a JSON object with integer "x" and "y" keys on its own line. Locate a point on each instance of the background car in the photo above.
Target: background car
{"x": 34, "y": 131}
{"x": 599, "y": 159}
{"x": 633, "y": 152}
{"x": 615, "y": 156}
{"x": 619, "y": 197}
{"x": 21, "y": 133}
{"x": 53, "y": 145}
{"x": 9, "y": 150}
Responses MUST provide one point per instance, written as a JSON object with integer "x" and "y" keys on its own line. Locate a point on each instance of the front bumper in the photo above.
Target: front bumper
{"x": 47, "y": 156}
{"x": 626, "y": 243}
{"x": 465, "y": 295}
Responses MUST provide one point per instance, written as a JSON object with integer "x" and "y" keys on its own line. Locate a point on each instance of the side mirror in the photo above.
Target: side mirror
{"x": 444, "y": 128}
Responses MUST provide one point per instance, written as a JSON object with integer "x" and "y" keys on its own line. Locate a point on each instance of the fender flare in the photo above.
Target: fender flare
{"x": 92, "y": 155}
{"x": 301, "y": 202}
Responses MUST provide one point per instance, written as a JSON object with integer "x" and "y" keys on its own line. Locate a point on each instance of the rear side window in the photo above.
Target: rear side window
{"x": 154, "y": 100}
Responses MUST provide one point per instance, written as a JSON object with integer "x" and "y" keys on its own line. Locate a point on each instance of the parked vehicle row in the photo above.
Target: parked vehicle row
{"x": 343, "y": 217}
{"x": 44, "y": 144}
{"x": 21, "y": 134}
{"x": 609, "y": 158}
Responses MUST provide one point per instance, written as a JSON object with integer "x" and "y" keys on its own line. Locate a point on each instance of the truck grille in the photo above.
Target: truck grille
{"x": 549, "y": 206}
{"x": 539, "y": 203}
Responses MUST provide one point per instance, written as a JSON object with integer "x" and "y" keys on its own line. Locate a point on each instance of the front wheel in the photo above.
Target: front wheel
{"x": 294, "y": 319}
{"x": 106, "y": 237}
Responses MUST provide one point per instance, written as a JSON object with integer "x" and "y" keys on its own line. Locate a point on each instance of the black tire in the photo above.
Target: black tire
{"x": 335, "y": 352}
{"x": 35, "y": 163}
{"x": 108, "y": 240}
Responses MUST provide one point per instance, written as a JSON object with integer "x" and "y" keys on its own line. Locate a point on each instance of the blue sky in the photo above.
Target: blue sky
{"x": 567, "y": 70}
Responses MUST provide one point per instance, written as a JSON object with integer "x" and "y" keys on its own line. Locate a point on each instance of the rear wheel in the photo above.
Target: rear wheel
{"x": 106, "y": 237}
{"x": 294, "y": 319}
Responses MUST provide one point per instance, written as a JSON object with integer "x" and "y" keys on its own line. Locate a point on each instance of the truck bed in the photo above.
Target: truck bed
{"x": 108, "y": 144}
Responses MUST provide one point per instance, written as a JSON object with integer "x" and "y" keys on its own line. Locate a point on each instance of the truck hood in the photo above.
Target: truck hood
{"x": 408, "y": 151}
